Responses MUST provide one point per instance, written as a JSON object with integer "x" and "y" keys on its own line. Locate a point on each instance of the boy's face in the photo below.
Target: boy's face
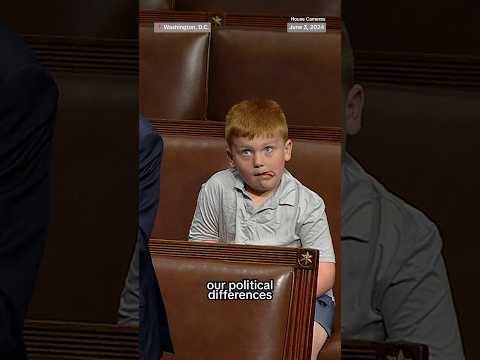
{"x": 260, "y": 161}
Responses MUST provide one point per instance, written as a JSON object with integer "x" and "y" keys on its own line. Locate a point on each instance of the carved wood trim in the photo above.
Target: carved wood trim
{"x": 76, "y": 54}
{"x": 217, "y": 129}
{"x": 298, "y": 342}
{"x": 120, "y": 56}
{"x": 46, "y": 339}
{"x": 417, "y": 69}
{"x": 275, "y": 255}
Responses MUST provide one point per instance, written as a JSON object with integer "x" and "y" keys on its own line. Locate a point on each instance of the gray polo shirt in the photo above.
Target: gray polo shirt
{"x": 292, "y": 216}
{"x": 394, "y": 283}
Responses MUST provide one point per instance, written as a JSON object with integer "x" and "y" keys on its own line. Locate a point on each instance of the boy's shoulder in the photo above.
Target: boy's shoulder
{"x": 221, "y": 181}
{"x": 224, "y": 177}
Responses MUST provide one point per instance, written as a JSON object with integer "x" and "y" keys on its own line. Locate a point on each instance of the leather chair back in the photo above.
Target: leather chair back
{"x": 180, "y": 73}
{"x": 205, "y": 328}
{"x": 173, "y": 74}
{"x": 301, "y": 71}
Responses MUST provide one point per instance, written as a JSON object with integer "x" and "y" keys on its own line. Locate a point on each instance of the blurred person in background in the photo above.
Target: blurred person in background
{"x": 141, "y": 301}
{"x": 394, "y": 281}
{"x": 28, "y": 106}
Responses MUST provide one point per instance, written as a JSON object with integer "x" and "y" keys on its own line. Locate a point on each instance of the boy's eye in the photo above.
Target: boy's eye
{"x": 269, "y": 148}
{"x": 246, "y": 152}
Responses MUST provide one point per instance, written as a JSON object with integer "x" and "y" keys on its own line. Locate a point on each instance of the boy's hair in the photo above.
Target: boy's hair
{"x": 251, "y": 118}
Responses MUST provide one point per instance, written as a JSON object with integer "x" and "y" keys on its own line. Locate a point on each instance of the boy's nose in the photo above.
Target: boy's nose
{"x": 258, "y": 160}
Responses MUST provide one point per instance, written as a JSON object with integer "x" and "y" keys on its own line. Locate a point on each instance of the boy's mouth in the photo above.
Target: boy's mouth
{"x": 266, "y": 174}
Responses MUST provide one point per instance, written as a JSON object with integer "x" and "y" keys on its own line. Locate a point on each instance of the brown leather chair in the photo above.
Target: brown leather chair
{"x": 203, "y": 327}
{"x": 173, "y": 74}
{"x": 181, "y": 73}
{"x": 188, "y": 161}
{"x": 301, "y": 71}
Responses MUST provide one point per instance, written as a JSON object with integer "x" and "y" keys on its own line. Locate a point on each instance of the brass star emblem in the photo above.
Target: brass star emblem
{"x": 399, "y": 356}
{"x": 306, "y": 258}
{"x": 216, "y": 20}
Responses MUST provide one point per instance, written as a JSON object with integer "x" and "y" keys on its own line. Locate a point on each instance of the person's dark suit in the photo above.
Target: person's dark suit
{"x": 27, "y": 109}
{"x": 141, "y": 297}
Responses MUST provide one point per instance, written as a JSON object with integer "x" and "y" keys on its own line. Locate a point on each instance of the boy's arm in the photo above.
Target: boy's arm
{"x": 205, "y": 220}
{"x": 325, "y": 277}
{"x": 315, "y": 233}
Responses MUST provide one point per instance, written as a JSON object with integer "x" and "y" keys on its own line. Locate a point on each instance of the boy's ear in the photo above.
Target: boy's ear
{"x": 288, "y": 149}
{"x": 230, "y": 157}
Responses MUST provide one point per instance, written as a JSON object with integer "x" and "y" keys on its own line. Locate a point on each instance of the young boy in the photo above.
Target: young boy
{"x": 257, "y": 201}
